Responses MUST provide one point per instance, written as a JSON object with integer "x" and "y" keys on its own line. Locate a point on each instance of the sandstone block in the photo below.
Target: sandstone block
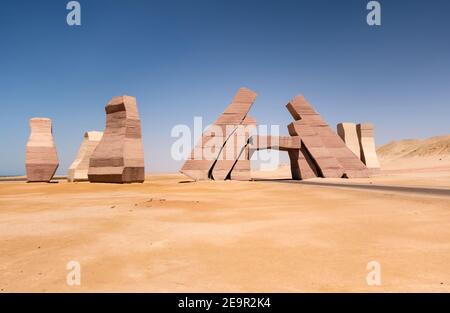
{"x": 348, "y": 133}
{"x": 321, "y": 143}
{"x": 78, "y": 170}
{"x": 367, "y": 146}
{"x": 41, "y": 159}
{"x": 224, "y": 144}
{"x": 119, "y": 156}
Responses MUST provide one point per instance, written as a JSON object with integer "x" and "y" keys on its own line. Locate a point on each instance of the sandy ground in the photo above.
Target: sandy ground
{"x": 171, "y": 235}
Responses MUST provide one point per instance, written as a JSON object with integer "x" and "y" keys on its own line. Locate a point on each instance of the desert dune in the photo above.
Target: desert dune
{"x": 173, "y": 235}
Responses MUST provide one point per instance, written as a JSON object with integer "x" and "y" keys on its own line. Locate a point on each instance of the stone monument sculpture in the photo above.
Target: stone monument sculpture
{"x": 314, "y": 149}
{"x": 119, "y": 156}
{"x": 41, "y": 161}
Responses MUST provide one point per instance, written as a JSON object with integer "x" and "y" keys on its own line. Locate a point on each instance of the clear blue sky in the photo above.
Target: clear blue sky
{"x": 187, "y": 58}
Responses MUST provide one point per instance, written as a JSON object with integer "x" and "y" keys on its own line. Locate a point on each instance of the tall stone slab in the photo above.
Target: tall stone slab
{"x": 222, "y": 151}
{"x": 41, "y": 160}
{"x": 78, "y": 170}
{"x": 348, "y": 133}
{"x": 367, "y": 145}
{"x": 326, "y": 150}
{"x": 119, "y": 157}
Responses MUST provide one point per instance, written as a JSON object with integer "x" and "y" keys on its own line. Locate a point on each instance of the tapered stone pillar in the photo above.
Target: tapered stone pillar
{"x": 41, "y": 159}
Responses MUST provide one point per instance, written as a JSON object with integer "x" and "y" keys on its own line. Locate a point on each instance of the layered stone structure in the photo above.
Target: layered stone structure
{"x": 222, "y": 152}
{"x": 119, "y": 157}
{"x": 314, "y": 149}
{"x": 367, "y": 146}
{"x": 41, "y": 159}
{"x": 322, "y": 153}
{"x": 78, "y": 170}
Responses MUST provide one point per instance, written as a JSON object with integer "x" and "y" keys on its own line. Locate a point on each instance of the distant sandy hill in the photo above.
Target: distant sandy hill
{"x": 432, "y": 152}
{"x": 434, "y": 146}
{"x": 409, "y": 156}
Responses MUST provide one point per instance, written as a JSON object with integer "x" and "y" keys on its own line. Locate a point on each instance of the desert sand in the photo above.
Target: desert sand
{"x": 173, "y": 235}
